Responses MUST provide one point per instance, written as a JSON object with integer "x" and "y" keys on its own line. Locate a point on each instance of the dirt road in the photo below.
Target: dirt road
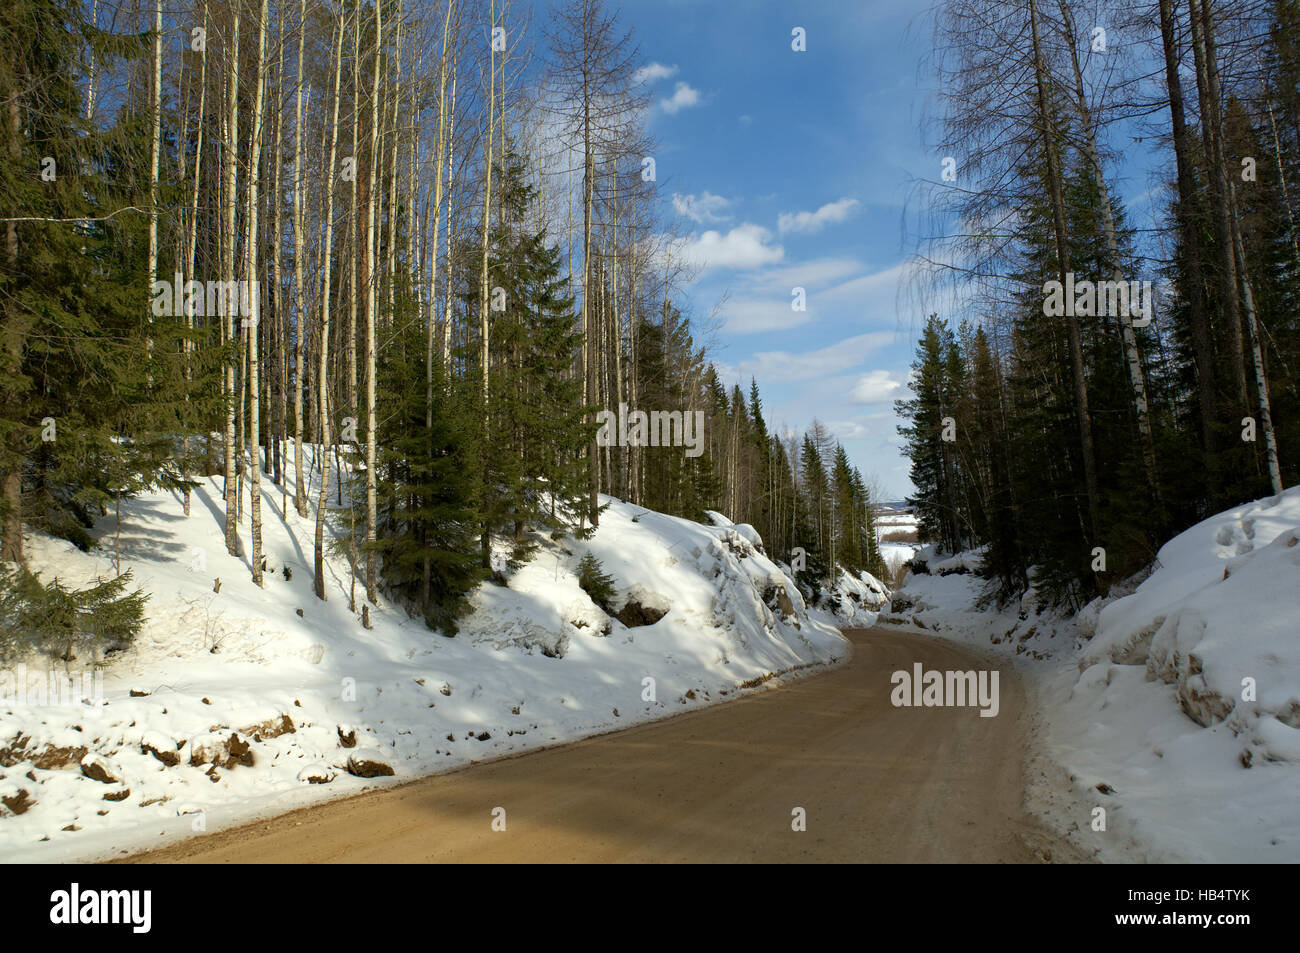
{"x": 877, "y": 783}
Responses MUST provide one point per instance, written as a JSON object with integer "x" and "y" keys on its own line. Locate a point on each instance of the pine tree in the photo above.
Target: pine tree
{"x": 925, "y": 432}
{"x": 80, "y": 413}
{"x": 813, "y": 517}
{"x": 538, "y": 426}
{"x": 595, "y": 582}
{"x": 60, "y": 620}
{"x": 426, "y": 483}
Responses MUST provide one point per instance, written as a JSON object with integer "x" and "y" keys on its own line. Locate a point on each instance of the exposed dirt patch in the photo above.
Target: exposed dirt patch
{"x": 271, "y": 728}
{"x": 367, "y": 766}
{"x": 168, "y": 756}
{"x": 48, "y": 758}
{"x": 18, "y": 803}
{"x": 635, "y": 614}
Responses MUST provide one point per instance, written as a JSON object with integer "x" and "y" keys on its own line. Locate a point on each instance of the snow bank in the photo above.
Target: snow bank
{"x": 1185, "y": 704}
{"x": 855, "y": 600}
{"x": 249, "y": 702}
{"x": 1220, "y": 618}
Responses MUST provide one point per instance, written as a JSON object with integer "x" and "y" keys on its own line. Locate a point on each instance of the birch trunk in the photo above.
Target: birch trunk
{"x": 228, "y": 276}
{"x": 446, "y": 317}
{"x": 443, "y": 142}
{"x": 188, "y": 251}
{"x": 322, "y": 372}
{"x": 372, "y": 307}
{"x": 299, "y": 253}
{"x": 1256, "y": 352}
{"x": 255, "y": 297}
{"x": 486, "y": 539}
{"x": 155, "y": 148}
{"x": 280, "y": 350}
{"x": 354, "y": 226}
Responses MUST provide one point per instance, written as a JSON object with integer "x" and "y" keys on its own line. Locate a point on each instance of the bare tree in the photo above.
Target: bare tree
{"x": 252, "y": 321}
{"x": 324, "y": 336}
{"x": 228, "y": 277}
{"x": 596, "y": 99}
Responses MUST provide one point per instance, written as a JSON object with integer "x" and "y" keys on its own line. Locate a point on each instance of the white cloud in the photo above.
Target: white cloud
{"x": 813, "y": 275}
{"x": 683, "y": 97}
{"x": 878, "y": 387}
{"x": 745, "y": 246}
{"x": 653, "y": 72}
{"x": 819, "y": 364}
{"x": 880, "y": 296}
{"x": 828, "y": 214}
{"x": 855, "y": 289}
{"x": 755, "y": 315}
{"x": 705, "y": 208}
{"x": 848, "y": 430}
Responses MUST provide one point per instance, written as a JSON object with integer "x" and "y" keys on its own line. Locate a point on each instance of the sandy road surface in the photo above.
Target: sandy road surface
{"x": 878, "y": 783}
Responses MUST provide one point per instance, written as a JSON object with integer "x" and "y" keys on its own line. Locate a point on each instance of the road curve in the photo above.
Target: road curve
{"x": 877, "y": 783}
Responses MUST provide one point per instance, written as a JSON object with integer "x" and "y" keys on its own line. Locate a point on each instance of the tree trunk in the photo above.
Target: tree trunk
{"x": 194, "y": 220}
{"x": 372, "y": 307}
{"x": 1195, "y": 294}
{"x": 1257, "y": 354}
{"x": 277, "y": 350}
{"x": 299, "y": 287}
{"x": 446, "y": 315}
{"x": 484, "y": 352}
{"x": 155, "y": 149}
{"x": 1132, "y": 359}
{"x": 322, "y": 373}
{"x": 250, "y": 275}
{"x": 443, "y": 142}
{"x": 354, "y": 226}
{"x": 228, "y": 276}
{"x": 1063, "y": 263}
{"x": 1207, "y": 84}
{"x": 591, "y": 335}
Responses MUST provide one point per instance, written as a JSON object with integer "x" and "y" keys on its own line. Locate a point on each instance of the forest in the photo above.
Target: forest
{"x": 383, "y": 264}
{"x": 1068, "y": 433}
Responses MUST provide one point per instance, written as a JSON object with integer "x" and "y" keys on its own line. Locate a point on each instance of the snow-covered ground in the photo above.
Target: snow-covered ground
{"x": 895, "y": 554}
{"x": 950, "y": 598}
{"x": 249, "y": 702}
{"x": 892, "y": 523}
{"x": 854, "y": 601}
{"x": 1173, "y": 704}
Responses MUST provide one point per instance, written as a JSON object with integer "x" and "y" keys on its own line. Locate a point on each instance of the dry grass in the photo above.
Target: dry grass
{"x": 899, "y": 536}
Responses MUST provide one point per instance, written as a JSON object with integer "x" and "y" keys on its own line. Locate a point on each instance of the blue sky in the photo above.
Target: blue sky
{"x": 794, "y": 169}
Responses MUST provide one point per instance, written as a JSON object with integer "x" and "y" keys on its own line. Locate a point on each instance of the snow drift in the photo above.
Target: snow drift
{"x": 1220, "y": 621}
{"x": 247, "y": 702}
{"x": 853, "y": 602}
{"x": 1183, "y": 709}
